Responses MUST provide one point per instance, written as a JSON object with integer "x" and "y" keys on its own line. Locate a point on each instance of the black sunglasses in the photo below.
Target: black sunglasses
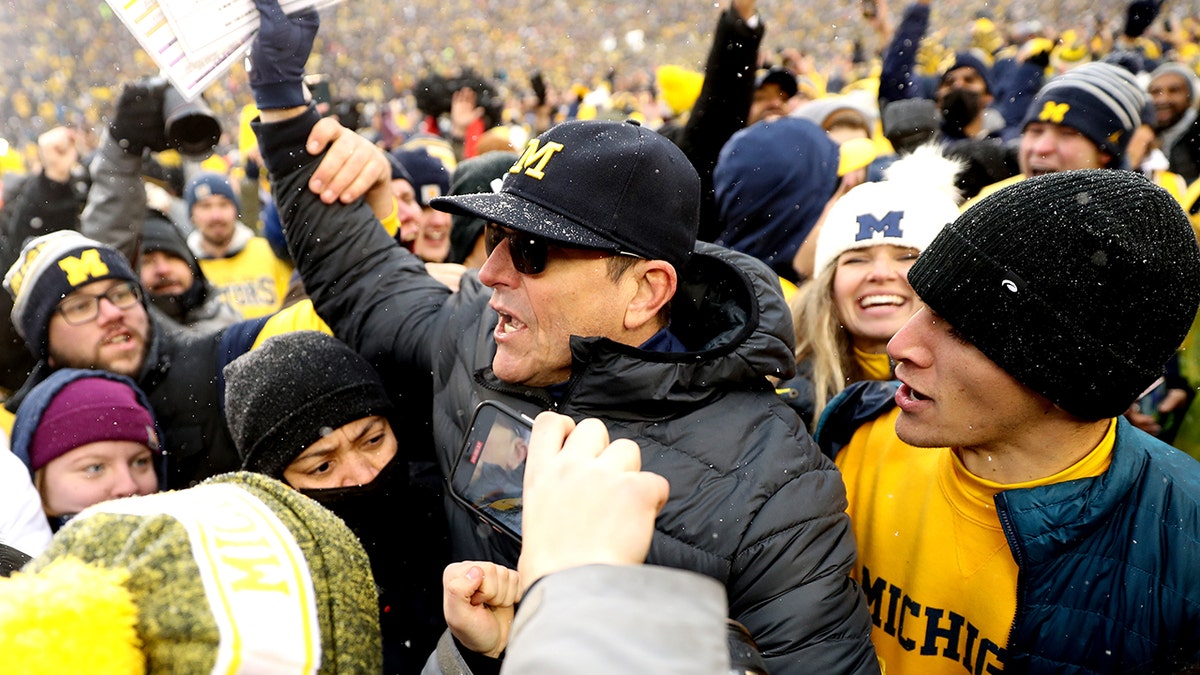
{"x": 528, "y": 251}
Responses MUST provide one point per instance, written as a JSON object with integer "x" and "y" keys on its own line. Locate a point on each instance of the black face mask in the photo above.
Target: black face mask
{"x": 959, "y": 108}
{"x": 370, "y": 510}
{"x": 380, "y": 514}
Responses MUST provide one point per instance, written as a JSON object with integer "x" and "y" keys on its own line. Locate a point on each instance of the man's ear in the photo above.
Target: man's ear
{"x": 655, "y": 281}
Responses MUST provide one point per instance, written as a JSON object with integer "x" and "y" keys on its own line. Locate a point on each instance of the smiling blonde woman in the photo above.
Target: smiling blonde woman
{"x": 859, "y": 294}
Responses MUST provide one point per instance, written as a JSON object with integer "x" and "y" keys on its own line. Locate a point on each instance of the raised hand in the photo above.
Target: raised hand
{"x": 137, "y": 123}
{"x": 478, "y": 600}
{"x": 278, "y": 55}
{"x": 585, "y": 501}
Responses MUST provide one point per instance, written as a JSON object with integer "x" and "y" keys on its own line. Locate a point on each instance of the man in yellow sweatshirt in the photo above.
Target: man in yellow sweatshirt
{"x": 1008, "y": 518}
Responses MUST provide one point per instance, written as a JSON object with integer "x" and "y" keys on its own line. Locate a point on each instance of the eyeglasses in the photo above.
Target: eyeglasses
{"x": 81, "y": 308}
{"x": 529, "y": 252}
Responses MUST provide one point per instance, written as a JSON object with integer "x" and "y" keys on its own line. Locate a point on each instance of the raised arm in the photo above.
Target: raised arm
{"x": 116, "y": 203}
{"x": 375, "y": 296}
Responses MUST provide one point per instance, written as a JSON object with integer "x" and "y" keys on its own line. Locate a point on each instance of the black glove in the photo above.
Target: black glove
{"x": 138, "y": 121}
{"x": 279, "y": 53}
{"x": 1139, "y": 15}
{"x": 539, "y": 88}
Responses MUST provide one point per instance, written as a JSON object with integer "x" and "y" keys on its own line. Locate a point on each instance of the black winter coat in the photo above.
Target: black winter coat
{"x": 753, "y": 503}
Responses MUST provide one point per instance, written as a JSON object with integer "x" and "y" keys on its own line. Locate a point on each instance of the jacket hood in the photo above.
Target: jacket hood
{"x": 772, "y": 181}
{"x": 728, "y": 311}
{"x": 242, "y": 234}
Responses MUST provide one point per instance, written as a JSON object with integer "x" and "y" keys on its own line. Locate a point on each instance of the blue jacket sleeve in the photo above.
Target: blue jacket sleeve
{"x": 1015, "y": 88}
{"x": 897, "y": 76}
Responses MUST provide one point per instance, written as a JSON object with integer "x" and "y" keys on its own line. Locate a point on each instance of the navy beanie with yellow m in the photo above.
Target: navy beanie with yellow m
{"x": 1079, "y": 284}
{"x": 1102, "y": 101}
{"x": 50, "y": 268}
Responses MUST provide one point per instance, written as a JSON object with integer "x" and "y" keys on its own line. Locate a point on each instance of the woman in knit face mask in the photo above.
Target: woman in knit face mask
{"x": 859, "y": 294}
{"x": 306, "y": 409}
{"x": 87, "y": 437}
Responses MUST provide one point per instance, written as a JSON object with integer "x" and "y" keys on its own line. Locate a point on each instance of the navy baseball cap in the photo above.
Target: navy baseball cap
{"x": 779, "y": 76}
{"x": 600, "y": 185}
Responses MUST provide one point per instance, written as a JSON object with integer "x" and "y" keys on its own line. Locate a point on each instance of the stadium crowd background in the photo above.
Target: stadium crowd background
{"x": 67, "y": 59}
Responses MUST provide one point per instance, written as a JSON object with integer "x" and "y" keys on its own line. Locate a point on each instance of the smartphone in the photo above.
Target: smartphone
{"x": 489, "y": 472}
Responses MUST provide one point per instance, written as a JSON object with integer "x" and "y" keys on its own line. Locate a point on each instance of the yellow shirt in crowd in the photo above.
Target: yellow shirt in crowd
{"x": 252, "y": 281}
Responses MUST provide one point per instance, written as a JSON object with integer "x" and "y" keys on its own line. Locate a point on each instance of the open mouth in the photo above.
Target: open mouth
{"x": 118, "y": 339}
{"x": 908, "y": 398}
{"x": 508, "y": 324}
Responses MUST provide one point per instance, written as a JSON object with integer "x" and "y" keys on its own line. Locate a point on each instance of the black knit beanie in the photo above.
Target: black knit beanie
{"x": 1079, "y": 284}
{"x": 160, "y": 234}
{"x": 293, "y": 390}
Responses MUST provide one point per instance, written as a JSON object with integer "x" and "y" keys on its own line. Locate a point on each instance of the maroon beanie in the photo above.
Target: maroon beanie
{"x": 88, "y": 410}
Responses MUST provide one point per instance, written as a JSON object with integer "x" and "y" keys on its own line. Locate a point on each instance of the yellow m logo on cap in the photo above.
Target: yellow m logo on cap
{"x": 533, "y": 161}
{"x": 1054, "y": 112}
{"x": 86, "y": 266}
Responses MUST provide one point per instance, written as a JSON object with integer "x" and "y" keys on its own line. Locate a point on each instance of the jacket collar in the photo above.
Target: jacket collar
{"x": 1044, "y": 520}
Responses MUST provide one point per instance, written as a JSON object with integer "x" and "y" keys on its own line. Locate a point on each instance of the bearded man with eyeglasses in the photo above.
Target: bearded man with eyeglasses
{"x": 595, "y": 301}
{"x": 79, "y": 304}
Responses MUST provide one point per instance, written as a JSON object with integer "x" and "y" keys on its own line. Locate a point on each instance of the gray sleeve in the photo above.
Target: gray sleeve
{"x": 116, "y": 202}
{"x": 620, "y": 619}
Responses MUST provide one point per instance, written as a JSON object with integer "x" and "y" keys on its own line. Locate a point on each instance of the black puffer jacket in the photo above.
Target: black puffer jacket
{"x": 753, "y": 503}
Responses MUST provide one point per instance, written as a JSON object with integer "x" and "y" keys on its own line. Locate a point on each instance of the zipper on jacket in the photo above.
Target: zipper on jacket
{"x": 1010, "y": 533}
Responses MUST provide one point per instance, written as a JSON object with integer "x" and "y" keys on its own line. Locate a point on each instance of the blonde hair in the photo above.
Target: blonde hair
{"x": 821, "y": 338}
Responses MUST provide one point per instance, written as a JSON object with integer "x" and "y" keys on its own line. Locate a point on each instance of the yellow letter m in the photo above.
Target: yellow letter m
{"x": 80, "y": 269}
{"x": 1054, "y": 112}
{"x": 533, "y": 160}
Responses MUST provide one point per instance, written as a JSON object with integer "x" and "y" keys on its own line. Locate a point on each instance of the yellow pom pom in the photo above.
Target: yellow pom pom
{"x": 69, "y": 617}
{"x": 680, "y": 87}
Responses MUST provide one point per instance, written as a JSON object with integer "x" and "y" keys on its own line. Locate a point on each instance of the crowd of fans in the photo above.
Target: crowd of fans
{"x": 897, "y": 306}
{"x": 68, "y": 54}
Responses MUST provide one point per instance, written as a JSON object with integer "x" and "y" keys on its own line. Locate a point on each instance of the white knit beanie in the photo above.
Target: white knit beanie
{"x": 908, "y": 208}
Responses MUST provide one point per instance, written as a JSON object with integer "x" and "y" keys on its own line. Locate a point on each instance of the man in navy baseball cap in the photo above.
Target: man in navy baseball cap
{"x": 579, "y": 193}
{"x": 641, "y": 196}
{"x": 595, "y": 300}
